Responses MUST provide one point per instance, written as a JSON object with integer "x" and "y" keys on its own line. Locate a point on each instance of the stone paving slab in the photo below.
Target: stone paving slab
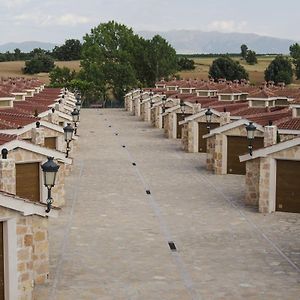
{"x": 111, "y": 240}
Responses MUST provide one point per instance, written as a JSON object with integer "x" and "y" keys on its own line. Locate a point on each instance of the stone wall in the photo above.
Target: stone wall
{"x": 214, "y": 156}
{"x": 264, "y": 185}
{"x": 8, "y": 176}
{"x": 32, "y": 251}
{"x": 58, "y": 193}
{"x": 252, "y": 179}
{"x": 210, "y": 156}
{"x": 185, "y": 137}
{"x": 166, "y": 124}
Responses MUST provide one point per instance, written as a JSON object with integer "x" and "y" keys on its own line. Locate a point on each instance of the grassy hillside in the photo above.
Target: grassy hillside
{"x": 14, "y": 69}
{"x": 256, "y": 72}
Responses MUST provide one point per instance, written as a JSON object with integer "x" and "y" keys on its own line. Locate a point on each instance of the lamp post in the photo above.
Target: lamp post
{"x": 68, "y": 131}
{"x": 49, "y": 169}
{"x": 78, "y": 104}
{"x": 151, "y": 103}
{"x": 182, "y": 106}
{"x": 75, "y": 116}
{"x": 250, "y": 136}
{"x": 208, "y": 115}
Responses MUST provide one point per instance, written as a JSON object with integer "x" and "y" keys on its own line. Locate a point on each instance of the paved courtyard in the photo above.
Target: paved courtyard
{"x": 111, "y": 240}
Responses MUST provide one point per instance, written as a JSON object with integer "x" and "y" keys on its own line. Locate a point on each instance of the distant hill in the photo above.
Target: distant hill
{"x": 26, "y": 46}
{"x": 196, "y": 41}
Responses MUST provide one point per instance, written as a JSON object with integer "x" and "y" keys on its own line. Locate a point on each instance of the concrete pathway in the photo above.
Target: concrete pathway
{"x": 131, "y": 192}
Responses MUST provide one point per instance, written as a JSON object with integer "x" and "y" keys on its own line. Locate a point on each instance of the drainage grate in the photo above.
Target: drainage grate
{"x": 148, "y": 192}
{"x": 109, "y": 126}
{"x": 134, "y": 164}
{"x": 172, "y": 246}
{"x": 116, "y": 133}
{"x": 124, "y": 146}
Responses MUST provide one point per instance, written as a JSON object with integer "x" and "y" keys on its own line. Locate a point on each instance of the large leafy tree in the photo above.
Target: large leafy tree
{"x": 39, "y": 63}
{"x": 225, "y": 67}
{"x": 61, "y": 77}
{"x": 115, "y": 59}
{"x": 251, "y": 57}
{"x": 295, "y": 54}
{"x": 70, "y": 50}
{"x": 280, "y": 70}
{"x": 244, "y": 50}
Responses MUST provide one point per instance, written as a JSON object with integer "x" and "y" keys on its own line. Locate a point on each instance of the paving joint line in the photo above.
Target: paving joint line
{"x": 53, "y": 290}
{"x": 188, "y": 283}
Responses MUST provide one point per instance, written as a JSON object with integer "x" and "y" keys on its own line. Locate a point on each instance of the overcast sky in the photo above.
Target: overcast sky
{"x": 57, "y": 20}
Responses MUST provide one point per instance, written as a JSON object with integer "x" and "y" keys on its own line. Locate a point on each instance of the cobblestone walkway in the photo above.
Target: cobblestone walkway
{"x": 131, "y": 192}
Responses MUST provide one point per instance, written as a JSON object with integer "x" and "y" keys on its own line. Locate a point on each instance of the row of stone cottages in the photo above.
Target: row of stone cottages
{"x": 213, "y": 118}
{"x": 33, "y": 130}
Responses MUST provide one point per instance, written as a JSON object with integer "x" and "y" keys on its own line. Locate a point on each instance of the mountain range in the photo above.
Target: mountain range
{"x": 26, "y": 46}
{"x": 192, "y": 42}
{"x": 197, "y": 41}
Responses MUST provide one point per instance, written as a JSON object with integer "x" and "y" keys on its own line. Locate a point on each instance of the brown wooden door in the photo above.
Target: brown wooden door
{"x": 236, "y": 146}
{"x": 50, "y": 142}
{"x": 287, "y": 186}
{"x": 202, "y": 130}
{"x": 180, "y": 117}
{"x": 2, "y": 292}
{"x": 28, "y": 181}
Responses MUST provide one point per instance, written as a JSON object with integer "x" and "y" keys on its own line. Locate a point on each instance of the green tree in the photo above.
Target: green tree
{"x": 70, "y": 50}
{"x": 280, "y": 70}
{"x": 225, "y": 67}
{"x": 244, "y": 49}
{"x": 186, "y": 64}
{"x": 251, "y": 57}
{"x": 295, "y": 51}
{"x": 39, "y": 63}
{"x": 17, "y": 54}
{"x": 297, "y": 68}
{"x": 163, "y": 58}
{"x": 61, "y": 77}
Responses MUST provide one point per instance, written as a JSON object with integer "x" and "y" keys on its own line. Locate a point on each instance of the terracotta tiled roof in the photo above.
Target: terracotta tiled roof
{"x": 4, "y": 138}
{"x": 254, "y": 110}
{"x": 292, "y": 124}
{"x": 264, "y": 118}
{"x": 229, "y": 107}
{"x": 263, "y": 93}
{"x": 16, "y": 119}
{"x": 230, "y": 90}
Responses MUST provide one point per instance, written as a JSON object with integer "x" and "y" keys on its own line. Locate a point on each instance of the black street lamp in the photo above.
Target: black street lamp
{"x": 208, "y": 115}
{"x": 151, "y": 101}
{"x": 75, "y": 116}
{"x": 250, "y": 136}
{"x": 68, "y": 131}
{"x": 78, "y": 104}
{"x": 182, "y": 106}
{"x": 49, "y": 169}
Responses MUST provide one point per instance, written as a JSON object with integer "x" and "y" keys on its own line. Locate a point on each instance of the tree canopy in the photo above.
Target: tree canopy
{"x": 115, "y": 59}
{"x": 39, "y": 63}
{"x": 244, "y": 49}
{"x": 251, "y": 57}
{"x": 295, "y": 54}
{"x": 225, "y": 67}
{"x": 70, "y": 50}
{"x": 279, "y": 70}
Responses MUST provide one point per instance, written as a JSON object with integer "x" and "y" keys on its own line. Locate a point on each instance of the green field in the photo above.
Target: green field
{"x": 256, "y": 72}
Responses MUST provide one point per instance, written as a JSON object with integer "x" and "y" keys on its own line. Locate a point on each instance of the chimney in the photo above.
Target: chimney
{"x": 270, "y": 135}
{"x": 53, "y": 117}
{"x": 196, "y": 107}
{"x": 38, "y": 135}
{"x": 224, "y": 118}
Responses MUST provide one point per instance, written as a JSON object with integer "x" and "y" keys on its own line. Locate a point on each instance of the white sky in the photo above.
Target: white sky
{"x": 57, "y": 20}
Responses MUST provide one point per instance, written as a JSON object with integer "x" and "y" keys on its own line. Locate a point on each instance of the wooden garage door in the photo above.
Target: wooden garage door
{"x": 180, "y": 117}
{"x": 28, "y": 181}
{"x": 236, "y": 146}
{"x": 50, "y": 142}
{"x": 202, "y": 130}
{"x": 1, "y": 263}
{"x": 287, "y": 186}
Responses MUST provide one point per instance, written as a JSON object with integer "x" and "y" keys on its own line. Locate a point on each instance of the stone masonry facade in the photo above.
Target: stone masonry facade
{"x": 32, "y": 251}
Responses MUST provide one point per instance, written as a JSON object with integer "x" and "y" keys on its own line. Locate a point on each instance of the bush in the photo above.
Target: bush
{"x": 39, "y": 63}
{"x": 251, "y": 57}
{"x": 186, "y": 64}
{"x": 280, "y": 70}
{"x": 225, "y": 67}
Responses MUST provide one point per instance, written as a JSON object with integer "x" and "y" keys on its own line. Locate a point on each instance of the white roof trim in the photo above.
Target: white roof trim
{"x": 272, "y": 149}
{"x": 199, "y": 114}
{"x": 26, "y": 207}
{"x": 232, "y": 125}
{"x": 171, "y": 109}
{"x": 60, "y": 156}
{"x": 262, "y": 99}
{"x": 64, "y": 115}
{"x": 289, "y": 131}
